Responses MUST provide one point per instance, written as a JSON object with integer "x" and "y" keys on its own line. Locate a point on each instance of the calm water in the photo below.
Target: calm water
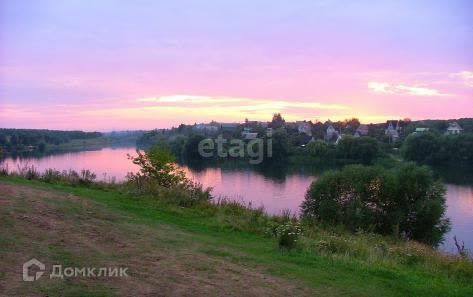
{"x": 246, "y": 185}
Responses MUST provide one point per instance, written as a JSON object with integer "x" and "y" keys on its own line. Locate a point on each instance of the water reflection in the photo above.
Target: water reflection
{"x": 106, "y": 163}
{"x": 275, "y": 188}
{"x": 460, "y": 212}
{"x": 247, "y": 186}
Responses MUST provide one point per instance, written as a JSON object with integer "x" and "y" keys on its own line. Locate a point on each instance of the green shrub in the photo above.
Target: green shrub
{"x": 158, "y": 164}
{"x": 405, "y": 201}
{"x": 287, "y": 234}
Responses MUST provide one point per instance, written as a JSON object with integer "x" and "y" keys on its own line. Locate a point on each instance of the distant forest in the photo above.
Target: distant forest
{"x": 32, "y": 139}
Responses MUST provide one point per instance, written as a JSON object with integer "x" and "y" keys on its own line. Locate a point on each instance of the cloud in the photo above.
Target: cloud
{"x": 401, "y": 89}
{"x": 245, "y": 104}
{"x": 419, "y": 91}
{"x": 191, "y": 108}
{"x": 378, "y": 87}
{"x": 189, "y": 99}
{"x": 466, "y": 76}
{"x": 16, "y": 111}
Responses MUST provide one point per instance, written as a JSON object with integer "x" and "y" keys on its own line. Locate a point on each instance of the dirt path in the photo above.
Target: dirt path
{"x": 71, "y": 231}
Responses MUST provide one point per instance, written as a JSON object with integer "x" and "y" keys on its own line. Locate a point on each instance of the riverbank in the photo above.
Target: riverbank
{"x": 231, "y": 242}
{"x": 277, "y": 189}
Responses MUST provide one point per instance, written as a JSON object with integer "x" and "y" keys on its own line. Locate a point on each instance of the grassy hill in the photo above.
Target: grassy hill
{"x": 172, "y": 250}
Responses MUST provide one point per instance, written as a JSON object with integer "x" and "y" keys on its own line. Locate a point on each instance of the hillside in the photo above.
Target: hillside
{"x": 176, "y": 252}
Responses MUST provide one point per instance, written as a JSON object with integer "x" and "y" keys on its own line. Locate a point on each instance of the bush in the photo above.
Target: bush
{"x": 188, "y": 195}
{"x": 404, "y": 201}
{"x": 157, "y": 163}
{"x": 185, "y": 194}
{"x": 287, "y": 234}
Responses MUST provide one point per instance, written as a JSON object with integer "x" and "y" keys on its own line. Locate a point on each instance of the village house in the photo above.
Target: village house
{"x": 250, "y": 135}
{"x": 247, "y": 134}
{"x": 205, "y": 128}
{"x": 230, "y": 127}
{"x": 304, "y": 127}
{"x": 392, "y": 131}
{"x": 362, "y": 130}
{"x": 250, "y": 123}
{"x": 454, "y": 128}
{"x": 332, "y": 135}
{"x": 330, "y": 131}
{"x": 421, "y": 130}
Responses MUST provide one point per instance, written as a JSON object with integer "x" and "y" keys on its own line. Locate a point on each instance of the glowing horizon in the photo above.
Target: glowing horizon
{"x": 115, "y": 66}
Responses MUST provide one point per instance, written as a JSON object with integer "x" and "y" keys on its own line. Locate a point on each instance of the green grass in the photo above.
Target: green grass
{"x": 331, "y": 263}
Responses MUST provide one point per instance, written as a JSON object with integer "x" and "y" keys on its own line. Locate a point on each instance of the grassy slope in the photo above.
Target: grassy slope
{"x": 327, "y": 276}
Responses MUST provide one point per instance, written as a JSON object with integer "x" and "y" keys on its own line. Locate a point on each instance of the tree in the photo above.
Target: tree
{"x": 317, "y": 149}
{"x": 419, "y": 202}
{"x": 277, "y": 121}
{"x": 18, "y": 139}
{"x": 191, "y": 148}
{"x": 157, "y": 163}
{"x": 405, "y": 201}
{"x": 422, "y": 148}
{"x": 350, "y": 125}
{"x": 362, "y": 150}
{"x": 280, "y": 145}
{"x": 440, "y": 150}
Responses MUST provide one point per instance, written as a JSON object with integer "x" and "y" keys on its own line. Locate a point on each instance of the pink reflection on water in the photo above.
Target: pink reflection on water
{"x": 460, "y": 212}
{"x": 248, "y": 186}
{"x": 105, "y": 163}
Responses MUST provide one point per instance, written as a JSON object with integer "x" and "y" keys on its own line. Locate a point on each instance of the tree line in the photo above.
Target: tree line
{"x": 12, "y": 140}
{"x": 439, "y": 150}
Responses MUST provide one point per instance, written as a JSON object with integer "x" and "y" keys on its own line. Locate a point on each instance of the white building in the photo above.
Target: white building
{"x": 250, "y": 135}
{"x": 454, "y": 128}
{"x": 206, "y": 127}
{"x": 333, "y": 136}
{"x": 331, "y": 131}
{"x": 305, "y": 128}
{"x": 392, "y": 131}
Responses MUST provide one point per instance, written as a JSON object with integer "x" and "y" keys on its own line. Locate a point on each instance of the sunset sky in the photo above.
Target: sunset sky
{"x": 103, "y": 65}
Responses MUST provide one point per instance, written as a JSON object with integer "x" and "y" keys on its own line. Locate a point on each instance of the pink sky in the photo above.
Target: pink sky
{"x": 121, "y": 65}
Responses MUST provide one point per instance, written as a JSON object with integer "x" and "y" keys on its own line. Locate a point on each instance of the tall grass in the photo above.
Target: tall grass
{"x": 4, "y": 170}
{"x": 70, "y": 177}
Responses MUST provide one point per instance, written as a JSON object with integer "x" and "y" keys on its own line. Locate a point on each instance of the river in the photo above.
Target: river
{"x": 274, "y": 192}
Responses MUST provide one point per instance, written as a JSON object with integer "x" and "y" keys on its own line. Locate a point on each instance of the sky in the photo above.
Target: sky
{"x": 115, "y": 65}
